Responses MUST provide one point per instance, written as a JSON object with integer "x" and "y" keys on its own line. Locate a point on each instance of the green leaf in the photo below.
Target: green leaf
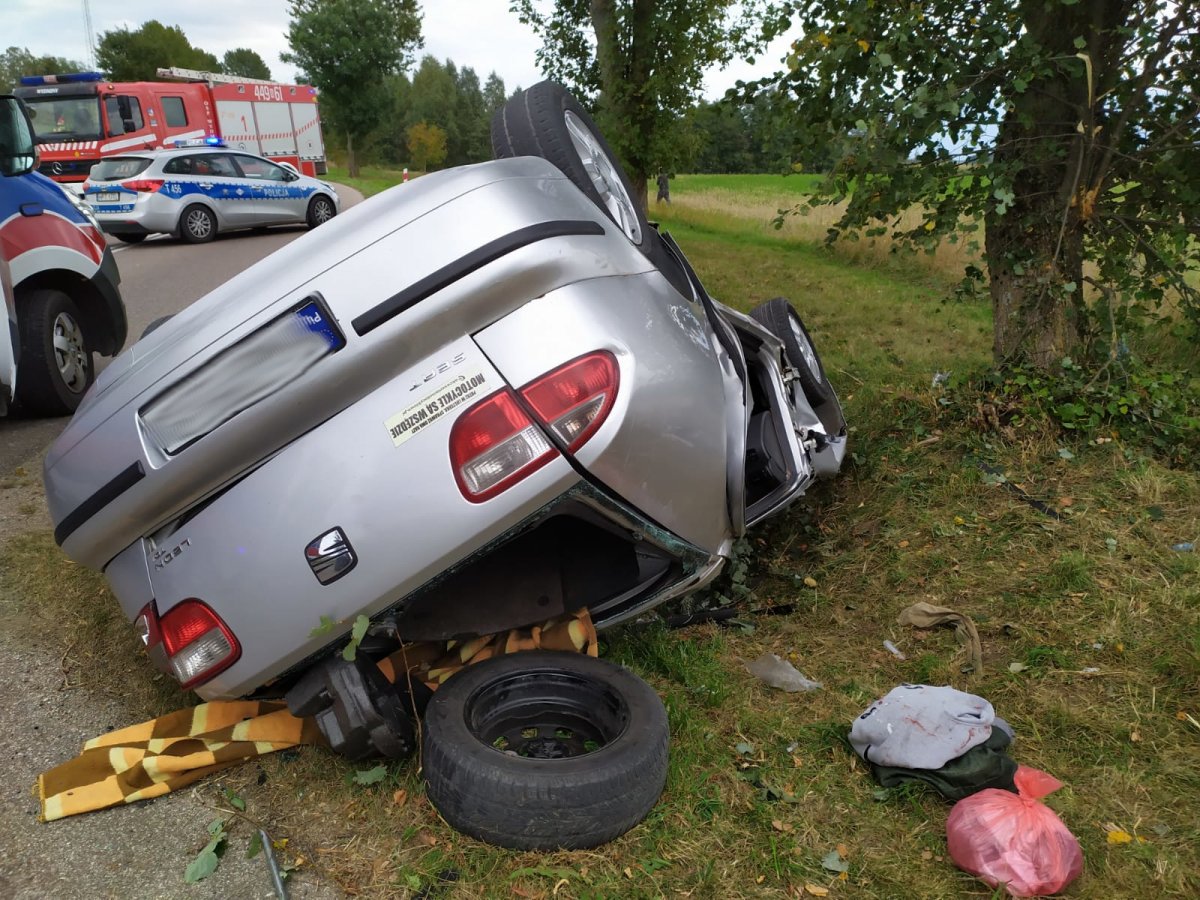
{"x": 834, "y": 863}
{"x": 370, "y": 776}
{"x": 744, "y": 749}
{"x": 256, "y": 845}
{"x": 359, "y": 631}
{"x": 413, "y": 882}
{"x": 326, "y": 626}
{"x": 234, "y": 800}
{"x": 1064, "y": 453}
{"x": 1080, "y": 43}
{"x": 202, "y": 866}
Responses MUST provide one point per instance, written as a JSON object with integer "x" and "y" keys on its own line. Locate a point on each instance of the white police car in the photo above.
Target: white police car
{"x": 196, "y": 191}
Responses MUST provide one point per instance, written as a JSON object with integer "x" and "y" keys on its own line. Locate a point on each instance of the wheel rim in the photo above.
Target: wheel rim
{"x": 806, "y": 349}
{"x": 199, "y": 224}
{"x": 70, "y": 353}
{"x": 603, "y": 174}
{"x": 322, "y": 212}
{"x": 546, "y": 715}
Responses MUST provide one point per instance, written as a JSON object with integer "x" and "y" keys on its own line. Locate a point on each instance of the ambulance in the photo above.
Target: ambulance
{"x": 59, "y": 284}
{"x": 80, "y": 119}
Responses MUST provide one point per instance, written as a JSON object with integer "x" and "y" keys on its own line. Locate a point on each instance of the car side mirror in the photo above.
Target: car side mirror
{"x": 18, "y": 155}
{"x": 290, "y": 176}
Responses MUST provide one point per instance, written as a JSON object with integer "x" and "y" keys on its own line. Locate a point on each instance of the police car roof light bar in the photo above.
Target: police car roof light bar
{"x": 72, "y": 78}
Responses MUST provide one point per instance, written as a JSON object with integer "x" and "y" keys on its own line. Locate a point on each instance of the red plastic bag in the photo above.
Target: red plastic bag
{"x": 1013, "y": 839}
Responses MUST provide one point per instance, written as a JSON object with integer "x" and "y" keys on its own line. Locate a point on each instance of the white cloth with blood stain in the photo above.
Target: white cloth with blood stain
{"x": 920, "y": 726}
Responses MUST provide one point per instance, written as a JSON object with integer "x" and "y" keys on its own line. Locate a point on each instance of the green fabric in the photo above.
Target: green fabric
{"x": 985, "y": 765}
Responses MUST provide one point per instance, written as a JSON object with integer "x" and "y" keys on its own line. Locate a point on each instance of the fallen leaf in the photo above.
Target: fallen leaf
{"x": 926, "y": 854}
{"x": 1017, "y": 667}
{"x": 1119, "y": 837}
{"x": 1135, "y": 736}
{"x": 628, "y": 872}
{"x": 400, "y": 797}
{"x": 816, "y": 890}
{"x": 760, "y": 879}
{"x": 780, "y": 825}
{"x": 902, "y": 544}
{"x": 1065, "y": 501}
{"x": 843, "y": 851}
{"x": 427, "y": 839}
{"x": 809, "y": 581}
{"x": 833, "y": 862}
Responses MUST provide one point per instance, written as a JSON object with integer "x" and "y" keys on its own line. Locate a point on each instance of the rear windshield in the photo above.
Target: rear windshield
{"x": 117, "y": 167}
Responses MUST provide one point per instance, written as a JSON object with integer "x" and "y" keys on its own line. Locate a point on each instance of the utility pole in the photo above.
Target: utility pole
{"x": 89, "y": 42}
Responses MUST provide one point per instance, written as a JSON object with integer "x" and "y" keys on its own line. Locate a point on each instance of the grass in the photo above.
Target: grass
{"x": 1102, "y": 616}
{"x": 371, "y": 179}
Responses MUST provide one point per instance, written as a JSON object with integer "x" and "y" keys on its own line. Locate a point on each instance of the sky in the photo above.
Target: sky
{"x": 482, "y": 34}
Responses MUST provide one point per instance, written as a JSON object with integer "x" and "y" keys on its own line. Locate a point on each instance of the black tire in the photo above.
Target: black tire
{"x": 785, "y": 323}
{"x": 55, "y": 368}
{"x": 130, "y": 238}
{"x": 555, "y": 790}
{"x": 320, "y": 211}
{"x": 535, "y": 123}
{"x": 156, "y": 324}
{"x": 197, "y": 224}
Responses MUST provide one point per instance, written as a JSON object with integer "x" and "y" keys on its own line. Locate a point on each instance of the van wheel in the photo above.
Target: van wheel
{"x": 55, "y": 368}
{"x": 320, "y": 211}
{"x": 540, "y": 750}
{"x": 197, "y": 225}
{"x": 784, "y": 322}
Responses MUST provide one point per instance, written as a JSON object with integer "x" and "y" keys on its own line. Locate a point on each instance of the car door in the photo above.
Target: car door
{"x": 274, "y": 198}
{"x": 231, "y": 193}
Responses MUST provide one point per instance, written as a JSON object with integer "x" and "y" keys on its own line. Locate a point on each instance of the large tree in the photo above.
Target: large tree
{"x": 348, "y": 48}
{"x": 17, "y": 61}
{"x": 245, "y": 62}
{"x": 126, "y": 55}
{"x": 1068, "y": 129}
{"x": 642, "y": 62}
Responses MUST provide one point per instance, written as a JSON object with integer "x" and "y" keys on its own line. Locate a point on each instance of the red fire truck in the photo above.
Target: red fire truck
{"x": 81, "y": 118}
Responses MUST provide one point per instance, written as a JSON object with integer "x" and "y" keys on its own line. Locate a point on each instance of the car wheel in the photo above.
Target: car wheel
{"x": 542, "y": 750}
{"x": 130, "y": 238}
{"x": 197, "y": 225}
{"x": 785, "y": 323}
{"x": 320, "y": 211}
{"x": 547, "y": 121}
{"x": 55, "y": 369}
{"x": 156, "y": 324}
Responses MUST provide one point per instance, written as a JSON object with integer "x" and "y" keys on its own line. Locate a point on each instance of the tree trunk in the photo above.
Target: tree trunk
{"x": 1034, "y": 239}
{"x": 351, "y": 159}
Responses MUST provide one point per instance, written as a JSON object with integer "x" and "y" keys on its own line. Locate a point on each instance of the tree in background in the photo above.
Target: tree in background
{"x": 125, "y": 55}
{"x": 426, "y": 146}
{"x": 348, "y": 48}
{"x": 474, "y": 120}
{"x": 17, "y": 61}
{"x": 434, "y": 100}
{"x": 245, "y": 62}
{"x": 642, "y": 62}
{"x": 1071, "y": 130}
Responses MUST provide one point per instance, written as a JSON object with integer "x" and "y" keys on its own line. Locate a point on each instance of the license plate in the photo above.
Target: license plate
{"x": 107, "y": 197}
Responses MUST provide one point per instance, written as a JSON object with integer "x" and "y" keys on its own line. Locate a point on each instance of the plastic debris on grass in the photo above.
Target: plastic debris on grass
{"x": 779, "y": 673}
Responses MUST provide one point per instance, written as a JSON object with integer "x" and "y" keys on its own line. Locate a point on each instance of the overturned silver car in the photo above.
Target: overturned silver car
{"x": 474, "y": 402}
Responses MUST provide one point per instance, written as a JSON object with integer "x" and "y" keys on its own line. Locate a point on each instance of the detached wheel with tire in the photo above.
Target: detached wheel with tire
{"x": 785, "y": 323}
{"x": 542, "y": 750}
{"x": 547, "y": 121}
{"x": 197, "y": 225}
{"x": 320, "y": 211}
{"x": 55, "y": 368}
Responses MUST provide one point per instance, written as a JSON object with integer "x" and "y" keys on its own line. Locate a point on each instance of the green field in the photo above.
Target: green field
{"x": 1090, "y": 625}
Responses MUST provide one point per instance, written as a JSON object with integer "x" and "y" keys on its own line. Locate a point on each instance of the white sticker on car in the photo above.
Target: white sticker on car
{"x": 414, "y": 419}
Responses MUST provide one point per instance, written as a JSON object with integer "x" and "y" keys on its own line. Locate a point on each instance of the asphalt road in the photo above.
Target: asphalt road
{"x": 140, "y": 851}
{"x": 159, "y": 277}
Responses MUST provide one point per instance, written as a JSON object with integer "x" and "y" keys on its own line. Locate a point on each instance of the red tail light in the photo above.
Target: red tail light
{"x": 190, "y": 640}
{"x": 143, "y": 185}
{"x": 493, "y": 445}
{"x": 574, "y": 400}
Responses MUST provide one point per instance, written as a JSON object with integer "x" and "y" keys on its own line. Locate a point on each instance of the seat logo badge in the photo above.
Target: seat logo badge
{"x": 330, "y": 556}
